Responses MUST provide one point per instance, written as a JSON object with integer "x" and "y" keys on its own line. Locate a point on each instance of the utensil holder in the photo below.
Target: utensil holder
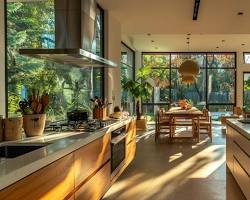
{"x": 100, "y": 113}
{"x": 13, "y": 128}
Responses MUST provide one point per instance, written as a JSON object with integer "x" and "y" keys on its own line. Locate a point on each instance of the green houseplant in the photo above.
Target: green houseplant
{"x": 140, "y": 89}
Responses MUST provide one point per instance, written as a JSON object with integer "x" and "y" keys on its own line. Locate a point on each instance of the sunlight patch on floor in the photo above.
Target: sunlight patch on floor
{"x": 201, "y": 165}
{"x": 175, "y": 157}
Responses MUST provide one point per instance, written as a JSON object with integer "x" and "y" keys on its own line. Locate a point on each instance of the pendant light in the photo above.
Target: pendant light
{"x": 188, "y": 70}
{"x": 187, "y": 79}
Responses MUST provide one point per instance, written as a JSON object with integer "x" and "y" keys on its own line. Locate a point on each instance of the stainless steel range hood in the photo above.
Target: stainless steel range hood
{"x": 74, "y": 35}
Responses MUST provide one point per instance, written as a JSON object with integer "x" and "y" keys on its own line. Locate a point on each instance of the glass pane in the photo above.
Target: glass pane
{"x": 178, "y": 59}
{"x": 127, "y": 73}
{"x": 246, "y": 94}
{"x": 127, "y": 56}
{"x": 156, "y": 60}
{"x": 69, "y": 88}
{"x": 160, "y": 80}
{"x": 221, "y": 85}
{"x": 219, "y": 110}
{"x": 127, "y": 100}
{"x": 150, "y": 110}
{"x": 223, "y": 60}
{"x": 194, "y": 92}
{"x": 97, "y": 45}
{"x": 246, "y": 58}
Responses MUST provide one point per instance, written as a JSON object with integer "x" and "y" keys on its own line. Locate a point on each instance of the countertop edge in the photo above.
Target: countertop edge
{"x": 239, "y": 127}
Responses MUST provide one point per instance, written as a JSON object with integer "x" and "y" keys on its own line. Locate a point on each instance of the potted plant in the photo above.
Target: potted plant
{"x": 33, "y": 111}
{"x": 140, "y": 89}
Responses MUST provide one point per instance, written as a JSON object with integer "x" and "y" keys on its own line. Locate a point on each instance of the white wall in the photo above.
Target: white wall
{"x": 2, "y": 60}
{"x": 113, "y": 52}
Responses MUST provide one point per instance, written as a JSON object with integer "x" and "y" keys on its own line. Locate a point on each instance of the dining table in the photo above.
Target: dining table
{"x": 184, "y": 117}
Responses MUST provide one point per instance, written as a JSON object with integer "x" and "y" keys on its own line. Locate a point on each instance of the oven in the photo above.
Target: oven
{"x": 118, "y": 144}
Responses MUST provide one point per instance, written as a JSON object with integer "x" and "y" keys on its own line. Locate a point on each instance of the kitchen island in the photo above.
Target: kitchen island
{"x": 238, "y": 153}
{"x": 68, "y": 168}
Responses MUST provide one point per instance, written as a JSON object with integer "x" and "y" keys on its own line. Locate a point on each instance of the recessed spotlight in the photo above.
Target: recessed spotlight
{"x": 243, "y": 44}
{"x": 240, "y": 13}
{"x": 148, "y": 34}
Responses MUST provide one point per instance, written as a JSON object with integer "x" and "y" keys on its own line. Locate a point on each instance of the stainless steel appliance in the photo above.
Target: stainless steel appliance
{"x": 74, "y": 35}
{"x": 118, "y": 144}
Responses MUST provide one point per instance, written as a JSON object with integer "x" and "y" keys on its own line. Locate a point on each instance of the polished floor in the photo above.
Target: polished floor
{"x": 182, "y": 170}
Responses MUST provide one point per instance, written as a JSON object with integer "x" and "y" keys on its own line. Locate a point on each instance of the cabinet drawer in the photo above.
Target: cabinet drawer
{"x": 131, "y": 132}
{"x": 242, "y": 179}
{"x": 243, "y": 159}
{"x": 90, "y": 157}
{"x": 229, "y": 152}
{"x": 97, "y": 186}
{"x": 242, "y": 141}
{"x": 130, "y": 151}
{"x": 55, "y": 181}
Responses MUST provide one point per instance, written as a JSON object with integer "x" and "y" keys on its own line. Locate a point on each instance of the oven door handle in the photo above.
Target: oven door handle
{"x": 118, "y": 139}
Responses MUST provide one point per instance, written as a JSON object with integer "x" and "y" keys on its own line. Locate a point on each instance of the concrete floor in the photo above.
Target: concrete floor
{"x": 182, "y": 170}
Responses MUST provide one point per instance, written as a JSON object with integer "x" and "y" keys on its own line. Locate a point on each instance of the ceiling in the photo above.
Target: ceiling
{"x": 168, "y": 22}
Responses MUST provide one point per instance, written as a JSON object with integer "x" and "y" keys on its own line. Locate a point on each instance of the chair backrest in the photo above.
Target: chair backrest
{"x": 206, "y": 114}
{"x": 237, "y": 111}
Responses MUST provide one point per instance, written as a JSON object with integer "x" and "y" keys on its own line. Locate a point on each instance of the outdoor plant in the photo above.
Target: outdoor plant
{"x": 140, "y": 89}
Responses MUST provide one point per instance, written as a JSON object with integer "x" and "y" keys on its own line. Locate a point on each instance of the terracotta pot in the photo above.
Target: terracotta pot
{"x": 13, "y": 128}
{"x": 34, "y": 124}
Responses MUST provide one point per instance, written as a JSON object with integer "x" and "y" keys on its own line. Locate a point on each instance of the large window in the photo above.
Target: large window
{"x": 69, "y": 88}
{"x": 127, "y": 73}
{"x": 214, "y": 87}
{"x": 246, "y": 90}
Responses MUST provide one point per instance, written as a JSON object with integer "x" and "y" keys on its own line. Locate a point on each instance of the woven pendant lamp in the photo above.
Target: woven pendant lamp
{"x": 187, "y": 79}
{"x": 189, "y": 68}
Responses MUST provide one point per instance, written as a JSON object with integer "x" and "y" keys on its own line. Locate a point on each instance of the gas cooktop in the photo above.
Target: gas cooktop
{"x": 78, "y": 126}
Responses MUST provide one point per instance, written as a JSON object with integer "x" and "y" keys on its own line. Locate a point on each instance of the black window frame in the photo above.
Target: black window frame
{"x": 206, "y": 68}
{"x": 131, "y": 67}
{"x": 6, "y": 45}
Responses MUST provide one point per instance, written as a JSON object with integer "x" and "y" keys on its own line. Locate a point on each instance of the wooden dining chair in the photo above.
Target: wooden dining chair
{"x": 205, "y": 124}
{"x": 163, "y": 124}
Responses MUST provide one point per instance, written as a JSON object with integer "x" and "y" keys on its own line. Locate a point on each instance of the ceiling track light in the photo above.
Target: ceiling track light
{"x": 196, "y": 9}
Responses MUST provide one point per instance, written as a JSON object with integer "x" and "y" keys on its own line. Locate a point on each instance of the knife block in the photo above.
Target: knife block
{"x": 100, "y": 113}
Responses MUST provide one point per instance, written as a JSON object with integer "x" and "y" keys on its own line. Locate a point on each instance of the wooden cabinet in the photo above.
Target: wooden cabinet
{"x": 238, "y": 158}
{"x": 131, "y": 132}
{"x": 242, "y": 178}
{"x": 90, "y": 158}
{"x": 229, "y": 148}
{"x": 55, "y": 181}
{"x": 130, "y": 151}
{"x": 130, "y": 142}
{"x": 83, "y": 174}
{"x": 97, "y": 186}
